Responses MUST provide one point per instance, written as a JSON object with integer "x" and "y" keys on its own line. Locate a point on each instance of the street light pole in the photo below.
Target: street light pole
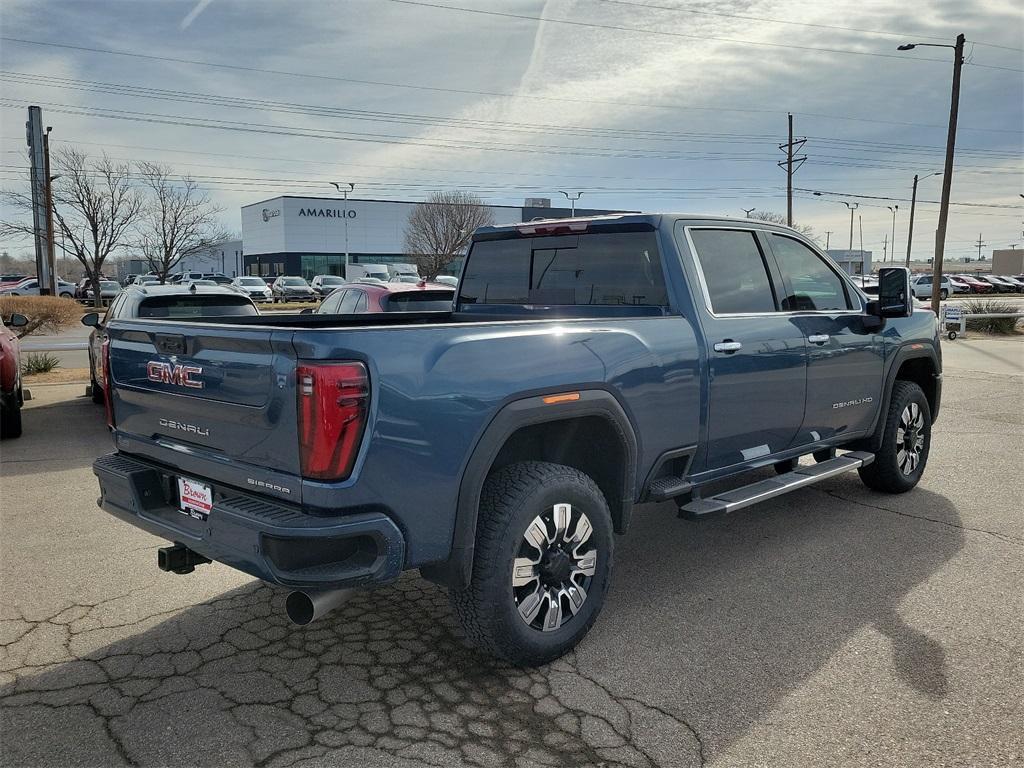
{"x": 852, "y": 208}
{"x": 893, "y": 208}
{"x": 748, "y": 211}
{"x": 913, "y": 203}
{"x": 572, "y": 201}
{"x": 947, "y": 178}
{"x": 344, "y": 192}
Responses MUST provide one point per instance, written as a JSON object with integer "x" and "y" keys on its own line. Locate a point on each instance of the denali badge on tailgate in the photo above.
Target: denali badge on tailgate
{"x": 179, "y": 375}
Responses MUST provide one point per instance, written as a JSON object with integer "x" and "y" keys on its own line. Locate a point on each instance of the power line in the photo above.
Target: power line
{"x": 495, "y": 94}
{"x": 904, "y": 200}
{"x": 666, "y": 33}
{"x": 437, "y": 120}
{"x": 703, "y": 12}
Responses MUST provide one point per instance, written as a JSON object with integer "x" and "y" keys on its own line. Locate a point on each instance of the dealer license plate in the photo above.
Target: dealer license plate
{"x": 194, "y": 498}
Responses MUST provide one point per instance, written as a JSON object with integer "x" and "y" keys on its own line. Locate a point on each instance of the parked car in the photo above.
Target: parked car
{"x": 921, "y": 285}
{"x": 30, "y": 287}
{"x": 292, "y": 289}
{"x": 11, "y": 396}
{"x": 498, "y": 447}
{"x": 322, "y": 285}
{"x": 253, "y": 287}
{"x": 108, "y": 291}
{"x": 998, "y": 286}
{"x": 958, "y": 284}
{"x": 976, "y": 285}
{"x": 159, "y": 302}
{"x": 11, "y": 278}
{"x": 1017, "y": 282}
{"x": 362, "y": 298}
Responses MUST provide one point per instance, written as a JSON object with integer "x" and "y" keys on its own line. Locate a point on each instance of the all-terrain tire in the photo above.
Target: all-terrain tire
{"x": 512, "y": 498}
{"x": 901, "y": 458}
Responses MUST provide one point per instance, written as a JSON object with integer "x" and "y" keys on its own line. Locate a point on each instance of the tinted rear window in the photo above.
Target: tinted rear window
{"x": 620, "y": 268}
{"x": 419, "y": 301}
{"x": 180, "y": 306}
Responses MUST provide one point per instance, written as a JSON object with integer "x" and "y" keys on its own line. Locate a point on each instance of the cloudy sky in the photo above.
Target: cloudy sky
{"x": 640, "y": 104}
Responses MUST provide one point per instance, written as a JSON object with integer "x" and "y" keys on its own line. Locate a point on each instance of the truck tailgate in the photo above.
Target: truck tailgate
{"x": 221, "y": 398}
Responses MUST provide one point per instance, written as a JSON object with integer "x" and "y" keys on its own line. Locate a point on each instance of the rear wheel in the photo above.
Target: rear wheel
{"x": 906, "y": 439}
{"x": 943, "y": 294}
{"x": 541, "y": 566}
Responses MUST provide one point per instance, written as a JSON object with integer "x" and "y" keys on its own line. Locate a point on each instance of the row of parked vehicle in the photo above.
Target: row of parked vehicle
{"x": 952, "y": 285}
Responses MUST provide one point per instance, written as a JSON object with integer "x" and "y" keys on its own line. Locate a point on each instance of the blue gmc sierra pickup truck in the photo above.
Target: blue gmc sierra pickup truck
{"x": 586, "y": 365}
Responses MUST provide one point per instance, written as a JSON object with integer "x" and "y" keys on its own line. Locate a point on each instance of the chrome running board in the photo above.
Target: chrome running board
{"x": 745, "y": 496}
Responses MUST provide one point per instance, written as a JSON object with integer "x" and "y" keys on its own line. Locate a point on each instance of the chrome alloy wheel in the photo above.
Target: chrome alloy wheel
{"x": 554, "y": 567}
{"x": 910, "y": 438}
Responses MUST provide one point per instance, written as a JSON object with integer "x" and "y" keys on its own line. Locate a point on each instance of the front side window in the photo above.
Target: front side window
{"x": 734, "y": 271}
{"x": 329, "y": 306}
{"x": 348, "y": 304}
{"x": 603, "y": 268}
{"x": 811, "y": 284}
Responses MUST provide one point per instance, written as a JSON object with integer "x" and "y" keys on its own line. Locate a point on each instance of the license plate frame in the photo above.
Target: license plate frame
{"x": 195, "y": 499}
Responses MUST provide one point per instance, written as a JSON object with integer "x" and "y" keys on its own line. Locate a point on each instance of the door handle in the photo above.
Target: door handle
{"x": 728, "y": 346}
{"x": 818, "y": 338}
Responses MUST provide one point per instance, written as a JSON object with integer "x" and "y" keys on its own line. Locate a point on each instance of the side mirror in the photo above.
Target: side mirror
{"x": 894, "y": 293}
{"x": 91, "y": 319}
{"x": 17, "y": 320}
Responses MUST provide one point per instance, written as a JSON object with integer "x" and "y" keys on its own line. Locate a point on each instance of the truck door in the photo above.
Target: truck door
{"x": 756, "y": 355}
{"x": 844, "y": 360}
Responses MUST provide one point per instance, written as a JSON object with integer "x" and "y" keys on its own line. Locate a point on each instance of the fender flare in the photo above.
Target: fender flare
{"x": 525, "y": 412}
{"x": 908, "y": 351}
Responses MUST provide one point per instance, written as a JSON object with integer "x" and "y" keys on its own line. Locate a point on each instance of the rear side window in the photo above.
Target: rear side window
{"x": 810, "y": 282}
{"x": 614, "y": 268}
{"x": 734, "y": 271}
{"x": 185, "y": 306}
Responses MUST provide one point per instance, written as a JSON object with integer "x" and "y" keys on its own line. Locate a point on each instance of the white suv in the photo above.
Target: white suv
{"x": 921, "y": 285}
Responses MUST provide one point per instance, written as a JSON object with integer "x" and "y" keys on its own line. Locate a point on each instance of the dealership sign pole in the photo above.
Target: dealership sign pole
{"x": 40, "y": 214}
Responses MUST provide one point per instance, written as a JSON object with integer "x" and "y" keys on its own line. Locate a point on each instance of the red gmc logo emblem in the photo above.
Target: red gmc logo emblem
{"x": 179, "y": 375}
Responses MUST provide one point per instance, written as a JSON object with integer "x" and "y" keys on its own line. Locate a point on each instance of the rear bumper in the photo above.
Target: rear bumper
{"x": 271, "y": 541}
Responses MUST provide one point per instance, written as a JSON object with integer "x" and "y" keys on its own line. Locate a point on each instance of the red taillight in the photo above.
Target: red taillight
{"x": 332, "y": 404}
{"x": 108, "y": 380}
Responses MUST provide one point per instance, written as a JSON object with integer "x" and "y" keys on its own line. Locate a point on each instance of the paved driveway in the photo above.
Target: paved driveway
{"x": 834, "y": 626}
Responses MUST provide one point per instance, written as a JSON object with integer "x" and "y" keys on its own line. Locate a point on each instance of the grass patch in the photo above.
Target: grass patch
{"x": 1001, "y": 325}
{"x": 39, "y": 362}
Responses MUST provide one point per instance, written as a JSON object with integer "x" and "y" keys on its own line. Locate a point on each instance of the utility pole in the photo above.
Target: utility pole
{"x": 980, "y": 246}
{"x": 827, "y": 236}
{"x": 572, "y": 202}
{"x": 860, "y": 222}
{"x": 885, "y": 247}
{"x": 40, "y": 211}
{"x": 947, "y": 177}
{"x": 748, "y": 211}
{"x": 788, "y": 164}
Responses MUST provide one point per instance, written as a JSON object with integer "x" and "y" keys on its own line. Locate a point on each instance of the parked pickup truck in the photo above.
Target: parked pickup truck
{"x": 586, "y": 365}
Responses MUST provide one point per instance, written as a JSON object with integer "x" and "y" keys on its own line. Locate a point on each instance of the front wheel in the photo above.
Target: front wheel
{"x": 541, "y": 566}
{"x": 906, "y": 439}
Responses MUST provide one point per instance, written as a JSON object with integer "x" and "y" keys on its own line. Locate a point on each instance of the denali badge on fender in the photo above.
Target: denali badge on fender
{"x": 179, "y": 375}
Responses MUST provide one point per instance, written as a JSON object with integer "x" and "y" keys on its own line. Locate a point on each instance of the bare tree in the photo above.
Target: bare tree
{"x": 440, "y": 229}
{"x": 95, "y": 207}
{"x": 778, "y": 218}
{"x": 177, "y": 221}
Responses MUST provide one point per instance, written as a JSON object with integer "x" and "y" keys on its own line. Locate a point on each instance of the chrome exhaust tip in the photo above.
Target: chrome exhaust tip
{"x": 306, "y": 607}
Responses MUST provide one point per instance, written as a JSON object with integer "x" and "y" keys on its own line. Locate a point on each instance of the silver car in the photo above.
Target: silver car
{"x": 255, "y": 288}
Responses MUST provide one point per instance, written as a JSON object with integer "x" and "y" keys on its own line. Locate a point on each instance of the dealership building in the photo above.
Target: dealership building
{"x": 307, "y": 236}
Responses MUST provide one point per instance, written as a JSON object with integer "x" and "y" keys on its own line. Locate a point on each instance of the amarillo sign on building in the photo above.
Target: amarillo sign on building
{"x": 306, "y": 235}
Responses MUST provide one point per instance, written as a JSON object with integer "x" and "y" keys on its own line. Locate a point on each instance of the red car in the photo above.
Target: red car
{"x": 361, "y": 298}
{"x": 976, "y": 285}
{"x": 10, "y": 377}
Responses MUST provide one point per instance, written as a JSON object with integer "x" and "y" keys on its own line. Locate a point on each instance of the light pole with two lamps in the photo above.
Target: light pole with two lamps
{"x": 572, "y": 201}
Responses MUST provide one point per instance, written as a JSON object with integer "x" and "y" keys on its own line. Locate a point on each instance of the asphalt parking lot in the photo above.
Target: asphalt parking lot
{"x": 833, "y": 626}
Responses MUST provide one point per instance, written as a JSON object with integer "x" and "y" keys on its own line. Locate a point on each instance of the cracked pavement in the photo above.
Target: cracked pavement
{"x": 834, "y": 626}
